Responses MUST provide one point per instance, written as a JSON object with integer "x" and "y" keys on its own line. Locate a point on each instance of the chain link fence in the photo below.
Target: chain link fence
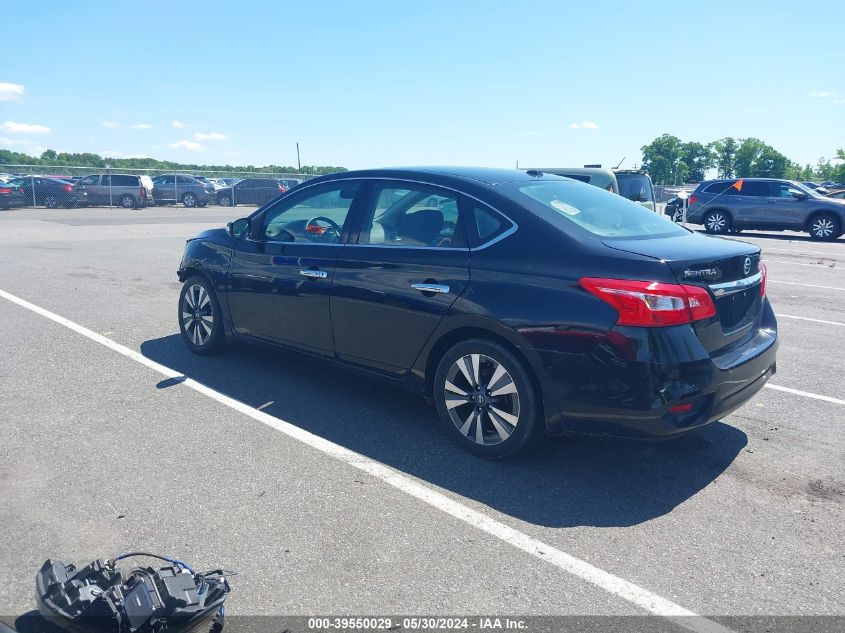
{"x": 32, "y": 186}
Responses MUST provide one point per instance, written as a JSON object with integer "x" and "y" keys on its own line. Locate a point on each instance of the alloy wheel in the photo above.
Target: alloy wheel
{"x": 677, "y": 216}
{"x": 716, "y": 222}
{"x": 823, "y": 228}
{"x": 127, "y": 202}
{"x": 197, "y": 315}
{"x": 51, "y": 202}
{"x": 189, "y": 200}
{"x": 482, "y": 399}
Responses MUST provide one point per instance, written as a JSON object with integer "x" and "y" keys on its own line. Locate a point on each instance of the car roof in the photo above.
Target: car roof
{"x": 485, "y": 175}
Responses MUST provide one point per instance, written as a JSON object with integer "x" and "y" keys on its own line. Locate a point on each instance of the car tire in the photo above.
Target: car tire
{"x": 825, "y": 227}
{"x": 717, "y": 222}
{"x": 51, "y": 202}
{"x": 127, "y": 201}
{"x": 189, "y": 200}
{"x": 200, "y": 318}
{"x": 677, "y": 216}
{"x": 224, "y": 201}
{"x": 501, "y": 413}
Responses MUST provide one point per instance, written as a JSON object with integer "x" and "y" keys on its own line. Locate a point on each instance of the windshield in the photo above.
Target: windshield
{"x": 595, "y": 210}
{"x": 636, "y": 187}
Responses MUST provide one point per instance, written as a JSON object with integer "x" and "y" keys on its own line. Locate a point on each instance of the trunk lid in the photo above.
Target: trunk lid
{"x": 729, "y": 269}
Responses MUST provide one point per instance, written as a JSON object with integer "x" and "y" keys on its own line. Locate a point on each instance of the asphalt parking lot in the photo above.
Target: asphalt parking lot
{"x": 332, "y": 494}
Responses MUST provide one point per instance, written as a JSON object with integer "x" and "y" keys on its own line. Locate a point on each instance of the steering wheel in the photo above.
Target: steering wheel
{"x": 312, "y": 228}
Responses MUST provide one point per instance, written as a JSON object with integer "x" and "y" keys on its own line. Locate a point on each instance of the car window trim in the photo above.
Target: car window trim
{"x": 504, "y": 235}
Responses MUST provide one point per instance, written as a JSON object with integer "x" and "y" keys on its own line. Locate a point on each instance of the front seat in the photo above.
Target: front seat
{"x": 421, "y": 228}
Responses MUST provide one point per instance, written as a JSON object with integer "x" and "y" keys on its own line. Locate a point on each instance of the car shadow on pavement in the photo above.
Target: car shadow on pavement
{"x": 566, "y": 482}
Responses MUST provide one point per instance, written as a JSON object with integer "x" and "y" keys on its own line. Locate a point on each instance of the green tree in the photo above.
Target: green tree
{"x": 48, "y": 154}
{"x": 756, "y": 159}
{"x": 663, "y": 160}
{"x": 698, "y": 159}
{"x": 724, "y": 155}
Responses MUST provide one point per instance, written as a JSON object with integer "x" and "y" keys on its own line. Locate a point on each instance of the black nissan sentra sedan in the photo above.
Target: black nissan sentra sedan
{"x": 519, "y": 303}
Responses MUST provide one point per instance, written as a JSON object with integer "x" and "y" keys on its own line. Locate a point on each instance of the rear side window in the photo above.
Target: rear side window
{"x": 754, "y": 188}
{"x": 124, "y": 181}
{"x": 569, "y": 204}
{"x": 413, "y": 216}
{"x": 487, "y": 224}
{"x": 721, "y": 187}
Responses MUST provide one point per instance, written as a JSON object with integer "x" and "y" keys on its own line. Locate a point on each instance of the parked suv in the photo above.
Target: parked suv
{"x": 188, "y": 190}
{"x": 126, "y": 190}
{"x": 765, "y": 204}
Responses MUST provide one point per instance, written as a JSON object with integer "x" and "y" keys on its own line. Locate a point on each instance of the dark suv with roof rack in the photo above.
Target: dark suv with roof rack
{"x": 765, "y": 204}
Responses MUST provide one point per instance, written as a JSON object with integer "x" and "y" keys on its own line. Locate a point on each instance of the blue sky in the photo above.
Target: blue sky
{"x": 365, "y": 84}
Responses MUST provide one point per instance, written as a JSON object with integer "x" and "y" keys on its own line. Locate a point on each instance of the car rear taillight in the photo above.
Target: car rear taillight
{"x": 282, "y": 188}
{"x": 652, "y": 303}
{"x": 143, "y": 193}
{"x": 67, "y": 188}
{"x": 764, "y": 273}
{"x": 5, "y": 190}
{"x": 691, "y": 201}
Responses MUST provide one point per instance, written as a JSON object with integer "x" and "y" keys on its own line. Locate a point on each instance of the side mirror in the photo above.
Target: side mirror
{"x": 798, "y": 194}
{"x": 238, "y": 228}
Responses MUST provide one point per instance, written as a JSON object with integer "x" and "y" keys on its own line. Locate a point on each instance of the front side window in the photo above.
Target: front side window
{"x": 412, "y": 215}
{"x": 90, "y": 180}
{"x": 314, "y": 217}
{"x": 184, "y": 180}
{"x": 600, "y": 212}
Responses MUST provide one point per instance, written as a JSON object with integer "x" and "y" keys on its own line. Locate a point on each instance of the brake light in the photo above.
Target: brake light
{"x": 5, "y": 190}
{"x": 282, "y": 188}
{"x": 764, "y": 273}
{"x": 691, "y": 201}
{"x": 652, "y": 303}
{"x": 143, "y": 193}
{"x": 67, "y": 188}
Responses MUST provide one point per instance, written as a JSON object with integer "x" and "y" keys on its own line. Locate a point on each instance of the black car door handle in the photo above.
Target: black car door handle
{"x": 435, "y": 288}
{"x": 314, "y": 274}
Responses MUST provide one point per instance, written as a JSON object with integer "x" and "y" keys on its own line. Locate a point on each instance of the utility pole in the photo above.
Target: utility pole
{"x": 298, "y": 163}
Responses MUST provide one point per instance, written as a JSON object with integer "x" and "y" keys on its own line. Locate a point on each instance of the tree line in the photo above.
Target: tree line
{"x": 671, "y": 161}
{"x": 51, "y": 158}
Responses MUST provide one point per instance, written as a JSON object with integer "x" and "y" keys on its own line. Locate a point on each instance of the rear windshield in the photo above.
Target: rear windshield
{"x": 600, "y": 212}
{"x": 636, "y": 187}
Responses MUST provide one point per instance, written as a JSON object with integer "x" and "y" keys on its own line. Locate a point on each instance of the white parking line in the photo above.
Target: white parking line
{"x": 780, "y": 261}
{"x": 806, "y": 394}
{"x": 793, "y": 283}
{"x": 602, "y": 579}
{"x": 794, "y": 252}
{"x": 789, "y": 316}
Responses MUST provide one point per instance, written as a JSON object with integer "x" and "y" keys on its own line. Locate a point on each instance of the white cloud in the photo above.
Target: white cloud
{"x": 11, "y": 92}
{"x": 11, "y": 142}
{"x": 821, "y": 94}
{"x": 189, "y": 145}
{"x": 110, "y": 124}
{"x": 210, "y": 136}
{"x": 584, "y": 125}
{"x": 177, "y": 124}
{"x": 24, "y": 128}
{"x": 141, "y": 126}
